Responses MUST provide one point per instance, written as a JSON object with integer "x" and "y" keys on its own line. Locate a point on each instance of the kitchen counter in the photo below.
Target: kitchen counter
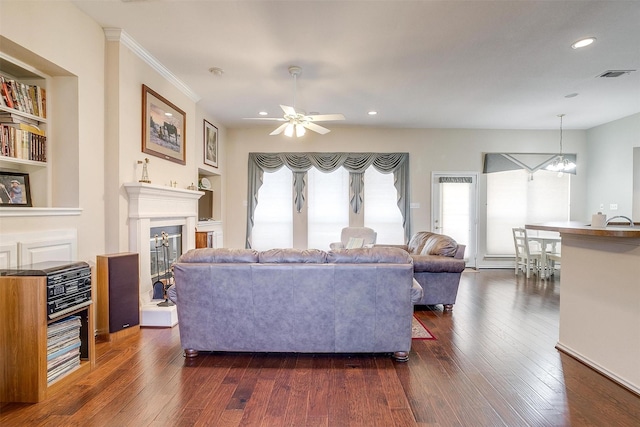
{"x": 580, "y": 228}
{"x": 600, "y": 298}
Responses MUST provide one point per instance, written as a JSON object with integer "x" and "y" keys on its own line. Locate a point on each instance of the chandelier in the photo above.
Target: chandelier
{"x": 560, "y": 164}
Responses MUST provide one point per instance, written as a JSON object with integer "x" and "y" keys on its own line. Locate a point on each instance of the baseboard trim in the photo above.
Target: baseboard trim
{"x": 600, "y": 369}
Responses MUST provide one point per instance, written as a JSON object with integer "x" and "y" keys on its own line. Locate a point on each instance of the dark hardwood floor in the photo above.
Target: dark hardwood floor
{"x": 493, "y": 364}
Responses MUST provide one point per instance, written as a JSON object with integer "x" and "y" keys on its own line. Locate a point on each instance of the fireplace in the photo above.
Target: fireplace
{"x": 159, "y": 207}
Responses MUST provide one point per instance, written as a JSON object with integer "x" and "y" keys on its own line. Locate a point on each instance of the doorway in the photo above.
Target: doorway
{"x": 454, "y": 209}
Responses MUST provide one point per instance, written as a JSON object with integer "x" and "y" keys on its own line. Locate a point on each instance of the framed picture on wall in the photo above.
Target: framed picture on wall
{"x": 163, "y": 128}
{"x": 14, "y": 189}
{"x": 210, "y": 144}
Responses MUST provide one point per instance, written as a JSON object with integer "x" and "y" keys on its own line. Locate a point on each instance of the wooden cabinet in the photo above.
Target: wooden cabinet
{"x": 23, "y": 341}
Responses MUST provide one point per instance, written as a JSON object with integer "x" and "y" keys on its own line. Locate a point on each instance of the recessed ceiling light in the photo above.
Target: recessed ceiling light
{"x": 372, "y": 113}
{"x": 583, "y": 42}
{"x": 263, "y": 113}
{"x": 571, "y": 95}
{"x": 216, "y": 71}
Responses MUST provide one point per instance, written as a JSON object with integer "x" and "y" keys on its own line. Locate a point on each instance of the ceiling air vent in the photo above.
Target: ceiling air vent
{"x": 615, "y": 73}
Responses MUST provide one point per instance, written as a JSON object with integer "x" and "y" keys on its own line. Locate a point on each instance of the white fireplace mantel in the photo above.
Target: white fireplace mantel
{"x": 159, "y": 201}
{"x": 156, "y": 206}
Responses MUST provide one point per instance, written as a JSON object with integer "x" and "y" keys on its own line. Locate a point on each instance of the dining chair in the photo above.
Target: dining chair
{"x": 526, "y": 259}
{"x": 552, "y": 259}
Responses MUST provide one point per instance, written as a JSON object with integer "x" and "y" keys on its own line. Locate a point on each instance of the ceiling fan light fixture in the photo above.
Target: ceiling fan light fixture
{"x": 300, "y": 130}
{"x": 288, "y": 131}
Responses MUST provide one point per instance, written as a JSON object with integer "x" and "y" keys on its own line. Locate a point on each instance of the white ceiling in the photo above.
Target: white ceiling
{"x": 420, "y": 64}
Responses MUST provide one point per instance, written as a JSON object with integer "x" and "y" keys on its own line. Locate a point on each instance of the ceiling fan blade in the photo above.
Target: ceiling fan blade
{"x": 325, "y": 117}
{"x": 290, "y": 111}
{"x": 278, "y": 119}
{"x": 316, "y": 128}
{"x": 279, "y": 129}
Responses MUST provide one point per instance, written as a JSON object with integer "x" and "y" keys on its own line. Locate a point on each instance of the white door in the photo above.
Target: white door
{"x": 454, "y": 209}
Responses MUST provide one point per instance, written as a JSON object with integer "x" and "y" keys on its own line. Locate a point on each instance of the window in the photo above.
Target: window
{"x": 516, "y": 198}
{"x": 381, "y": 210}
{"x": 273, "y": 218}
{"x": 328, "y": 206}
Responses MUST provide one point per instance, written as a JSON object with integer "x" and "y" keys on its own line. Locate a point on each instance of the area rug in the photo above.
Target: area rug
{"x": 419, "y": 331}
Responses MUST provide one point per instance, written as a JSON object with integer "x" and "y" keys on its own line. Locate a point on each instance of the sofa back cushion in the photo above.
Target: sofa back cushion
{"x": 417, "y": 241}
{"x": 378, "y": 255}
{"x": 439, "y": 244}
{"x": 290, "y": 255}
{"x": 219, "y": 255}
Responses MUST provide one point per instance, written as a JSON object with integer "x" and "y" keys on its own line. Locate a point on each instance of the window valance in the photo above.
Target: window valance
{"x": 531, "y": 162}
{"x": 355, "y": 163}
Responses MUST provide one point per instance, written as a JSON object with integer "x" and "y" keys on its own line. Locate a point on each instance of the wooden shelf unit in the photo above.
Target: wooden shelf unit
{"x": 23, "y": 341}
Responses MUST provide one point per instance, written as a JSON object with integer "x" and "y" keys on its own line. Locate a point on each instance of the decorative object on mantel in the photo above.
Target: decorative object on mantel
{"x": 145, "y": 172}
{"x": 191, "y": 187}
{"x": 298, "y": 121}
{"x": 163, "y": 128}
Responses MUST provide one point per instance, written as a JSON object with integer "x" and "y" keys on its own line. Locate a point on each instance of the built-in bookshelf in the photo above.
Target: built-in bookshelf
{"x": 23, "y": 112}
{"x": 24, "y": 142}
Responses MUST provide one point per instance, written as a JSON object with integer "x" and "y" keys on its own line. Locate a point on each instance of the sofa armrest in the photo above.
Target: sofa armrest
{"x": 460, "y": 252}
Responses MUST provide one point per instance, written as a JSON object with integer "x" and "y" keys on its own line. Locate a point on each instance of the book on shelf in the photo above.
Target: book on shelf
{"x": 23, "y": 141}
{"x": 29, "y": 99}
{"x": 8, "y": 117}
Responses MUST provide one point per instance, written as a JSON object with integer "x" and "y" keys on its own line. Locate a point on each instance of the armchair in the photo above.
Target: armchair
{"x": 367, "y": 235}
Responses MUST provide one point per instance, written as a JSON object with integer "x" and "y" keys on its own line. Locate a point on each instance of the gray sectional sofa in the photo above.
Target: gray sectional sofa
{"x": 438, "y": 262}
{"x": 290, "y": 300}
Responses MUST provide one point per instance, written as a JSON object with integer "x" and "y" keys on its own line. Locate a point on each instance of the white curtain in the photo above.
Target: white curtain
{"x": 381, "y": 211}
{"x": 516, "y": 198}
{"x": 328, "y": 206}
{"x": 273, "y": 221}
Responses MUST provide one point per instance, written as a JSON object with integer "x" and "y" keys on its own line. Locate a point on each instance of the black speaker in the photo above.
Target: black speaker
{"x": 118, "y": 292}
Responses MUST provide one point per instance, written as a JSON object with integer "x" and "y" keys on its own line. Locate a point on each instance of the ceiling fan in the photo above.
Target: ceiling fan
{"x": 296, "y": 121}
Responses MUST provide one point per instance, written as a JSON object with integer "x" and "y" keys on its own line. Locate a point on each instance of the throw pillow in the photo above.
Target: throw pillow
{"x": 354, "y": 243}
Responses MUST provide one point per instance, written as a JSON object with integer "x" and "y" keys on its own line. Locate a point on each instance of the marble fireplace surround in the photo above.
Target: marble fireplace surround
{"x": 158, "y": 206}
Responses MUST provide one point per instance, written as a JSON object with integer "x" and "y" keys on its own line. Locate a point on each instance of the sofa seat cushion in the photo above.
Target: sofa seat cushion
{"x": 219, "y": 255}
{"x": 437, "y": 264}
{"x": 369, "y": 256}
{"x": 290, "y": 255}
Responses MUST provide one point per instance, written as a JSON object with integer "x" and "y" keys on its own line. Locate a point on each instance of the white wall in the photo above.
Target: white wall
{"x": 430, "y": 150}
{"x": 610, "y": 150}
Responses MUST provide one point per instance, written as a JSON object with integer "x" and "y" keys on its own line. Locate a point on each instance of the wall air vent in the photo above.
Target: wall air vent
{"x": 615, "y": 73}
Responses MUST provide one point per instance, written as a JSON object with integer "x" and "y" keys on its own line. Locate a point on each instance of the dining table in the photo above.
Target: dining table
{"x": 549, "y": 244}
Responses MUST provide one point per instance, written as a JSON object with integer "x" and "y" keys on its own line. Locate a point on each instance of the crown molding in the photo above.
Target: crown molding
{"x": 119, "y": 35}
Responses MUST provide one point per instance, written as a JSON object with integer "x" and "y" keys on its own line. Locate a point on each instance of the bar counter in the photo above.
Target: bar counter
{"x": 600, "y": 298}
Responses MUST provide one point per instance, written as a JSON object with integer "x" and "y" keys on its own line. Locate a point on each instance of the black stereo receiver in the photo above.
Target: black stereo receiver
{"x": 68, "y": 284}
